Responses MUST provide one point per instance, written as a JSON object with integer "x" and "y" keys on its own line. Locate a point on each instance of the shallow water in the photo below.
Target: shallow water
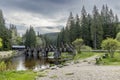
{"x": 24, "y": 63}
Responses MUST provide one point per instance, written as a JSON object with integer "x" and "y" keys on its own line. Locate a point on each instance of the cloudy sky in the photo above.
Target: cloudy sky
{"x": 48, "y": 15}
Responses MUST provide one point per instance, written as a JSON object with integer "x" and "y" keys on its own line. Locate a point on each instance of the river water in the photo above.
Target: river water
{"x": 24, "y": 63}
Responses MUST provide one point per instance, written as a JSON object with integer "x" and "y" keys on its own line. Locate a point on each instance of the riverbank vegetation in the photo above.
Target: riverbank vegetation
{"x": 110, "y": 61}
{"x": 17, "y": 75}
{"x": 5, "y": 34}
{"x": 84, "y": 55}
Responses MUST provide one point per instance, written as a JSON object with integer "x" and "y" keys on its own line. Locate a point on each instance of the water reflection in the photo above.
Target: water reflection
{"x": 24, "y": 63}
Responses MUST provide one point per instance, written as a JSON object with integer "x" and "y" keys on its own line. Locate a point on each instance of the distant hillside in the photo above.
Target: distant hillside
{"x": 52, "y": 36}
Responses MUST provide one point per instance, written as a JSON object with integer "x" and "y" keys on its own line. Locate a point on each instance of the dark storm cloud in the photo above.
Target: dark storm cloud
{"x": 51, "y": 7}
{"x": 44, "y": 7}
{"x": 53, "y": 12}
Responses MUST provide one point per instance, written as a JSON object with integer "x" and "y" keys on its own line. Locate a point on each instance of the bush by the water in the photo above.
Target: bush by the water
{"x": 2, "y": 66}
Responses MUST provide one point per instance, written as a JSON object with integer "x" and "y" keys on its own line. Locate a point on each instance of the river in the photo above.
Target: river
{"x": 22, "y": 62}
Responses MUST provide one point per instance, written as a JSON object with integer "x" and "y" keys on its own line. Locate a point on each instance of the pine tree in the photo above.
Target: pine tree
{"x": 78, "y": 31}
{"x": 96, "y": 29}
{"x": 4, "y": 34}
{"x": 70, "y": 28}
{"x": 89, "y": 23}
{"x": 30, "y": 38}
{"x": 84, "y": 26}
{"x": 92, "y": 28}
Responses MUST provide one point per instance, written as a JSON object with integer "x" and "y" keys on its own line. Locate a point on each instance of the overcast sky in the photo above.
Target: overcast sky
{"x": 45, "y": 15}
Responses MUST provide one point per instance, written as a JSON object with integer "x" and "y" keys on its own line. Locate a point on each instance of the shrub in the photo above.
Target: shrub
{"x": 78, "y": 44}
{"x": 2, "y": 66}
{"x": 111, "y": 45}
{"x": 86, "y": 48}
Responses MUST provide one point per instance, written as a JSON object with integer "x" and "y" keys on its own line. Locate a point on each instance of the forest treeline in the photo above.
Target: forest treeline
{"x": 92, "y": 28}
{"x": 5, "y": 34}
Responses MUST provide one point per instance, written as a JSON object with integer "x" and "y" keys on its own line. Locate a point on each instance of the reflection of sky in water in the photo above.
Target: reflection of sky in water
{"x": 21, "y": 63}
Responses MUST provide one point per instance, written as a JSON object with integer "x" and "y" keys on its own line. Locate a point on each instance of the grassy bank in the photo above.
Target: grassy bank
{"x": 84, "y": 55}
{"x": 111, "y": 61}
{"x": 17, "y": 75}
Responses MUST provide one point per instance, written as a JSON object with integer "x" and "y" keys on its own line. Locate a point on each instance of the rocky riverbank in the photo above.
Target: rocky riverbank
{"x": 7, "y": 54}
{"x": 83, "y": 70}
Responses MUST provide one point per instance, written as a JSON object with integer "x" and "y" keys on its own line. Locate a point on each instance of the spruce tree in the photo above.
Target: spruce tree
{"x": 4, "y": 33}
{"x": 84, "y": 26}
{"x": 30, "y": 38}
{"x": 96, "y": 29}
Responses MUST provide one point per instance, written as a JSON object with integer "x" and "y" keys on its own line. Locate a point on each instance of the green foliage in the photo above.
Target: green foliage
{"x": 118, "y": 36}
{"x": 78, "y": 44}
{"x": 4, "y": 34}
{"x": 92, "y": 28}
{"x": 111, "y": 45}
{"x": 111, "y": 61}
{"x": 19, "y": 40}
{"x": 3, "y": 66}
{"x": 38, "y": 41}
{"x": 15, "y": 38}
{"x": 52, "y": 38}
{"x": 83, "y": 55}
{"x": 1, "y": 43}
{"x": 85, "y": 27}
{"x": 17, "y": 75}
{"x": 66, "y": 55}
{"x": 86, "y": 48}
{"x": 30, "y": 38}
{"x": 96, "y": 29}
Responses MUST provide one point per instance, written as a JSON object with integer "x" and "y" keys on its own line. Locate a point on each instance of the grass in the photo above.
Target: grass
{"x": 84, "y": 55}
{"x": 17, "y": 75}
{"x": 111, "y": 61}
{"x": 50, "y": 54}
{"x": 66, "y": 55}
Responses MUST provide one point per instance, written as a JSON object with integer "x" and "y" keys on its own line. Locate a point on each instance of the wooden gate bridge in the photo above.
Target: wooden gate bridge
{"x": 44, "y": 52}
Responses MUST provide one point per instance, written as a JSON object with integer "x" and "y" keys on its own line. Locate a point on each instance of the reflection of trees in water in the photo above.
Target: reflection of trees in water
{"x": 31, "y": 62}
{"x": 10, "y": 65}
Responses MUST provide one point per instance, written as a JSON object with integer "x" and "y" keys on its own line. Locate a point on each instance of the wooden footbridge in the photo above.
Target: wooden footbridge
{"x": 44, "y": 52}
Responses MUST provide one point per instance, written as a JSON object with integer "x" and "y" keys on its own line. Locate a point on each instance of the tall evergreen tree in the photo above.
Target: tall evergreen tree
{"x": 84, "y": 26}
{"x": 92, "y": 28}
{"x": 89, "y": 23}
{"x": 4, "y": 34}
{"x": 70, "y": 27}
{"x": 30, "y": 40}
{"x": 96, "y": 29}
{"x": 78, "y": 31}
